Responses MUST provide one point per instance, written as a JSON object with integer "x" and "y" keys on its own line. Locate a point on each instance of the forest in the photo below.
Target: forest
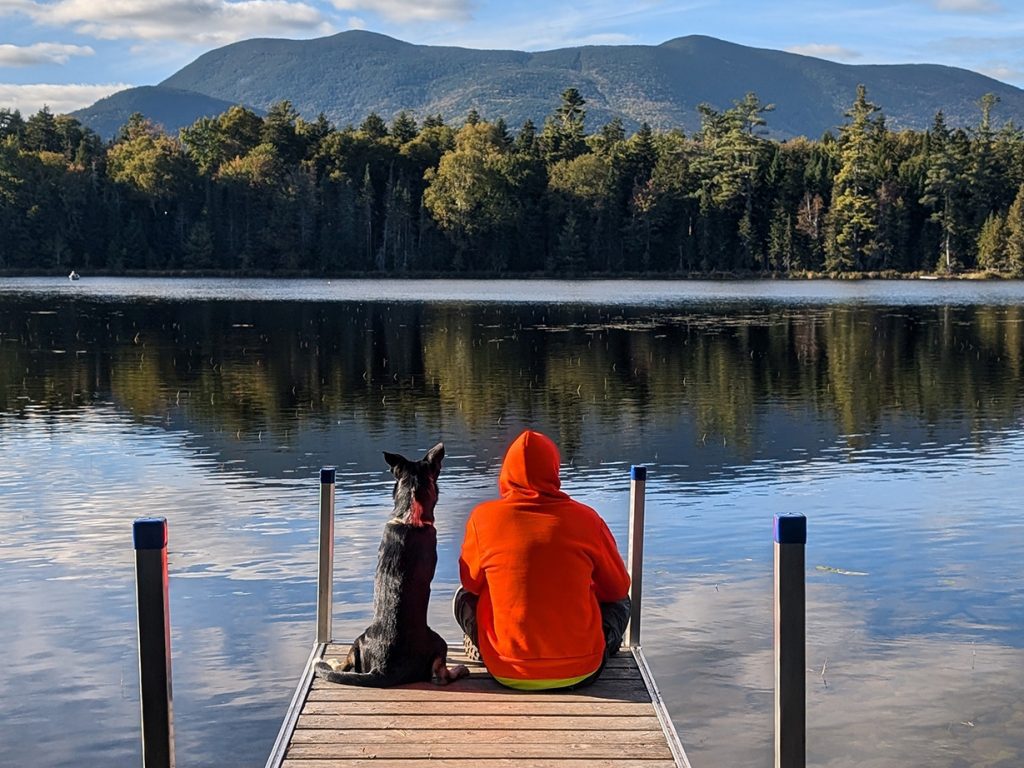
{"x": 244, "y": 193}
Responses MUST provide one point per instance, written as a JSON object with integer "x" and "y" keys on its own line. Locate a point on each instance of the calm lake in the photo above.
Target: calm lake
{"x": 891, "y": 414}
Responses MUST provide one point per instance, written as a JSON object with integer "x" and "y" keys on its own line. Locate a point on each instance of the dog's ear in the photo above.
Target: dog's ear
{"x": 395, "y": 461}
{"x": 434, "y": 457}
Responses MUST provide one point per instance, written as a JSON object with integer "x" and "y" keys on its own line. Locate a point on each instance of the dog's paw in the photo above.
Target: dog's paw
{"x": 333, "y": 665}
{"x": 442, "y": 674}
{"x": 323, "y": 669}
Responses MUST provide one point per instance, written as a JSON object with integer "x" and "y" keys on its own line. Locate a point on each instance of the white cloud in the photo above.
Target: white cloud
{"x": 40, "y": 53}
{"x": 410, "y": 10}
{"x": 825, "y": 51}
{"x": 967, "y": 6}
{"x": 355, "y": 22}
{"x": 59, "y": 98}
{"x": 194, "y": 21}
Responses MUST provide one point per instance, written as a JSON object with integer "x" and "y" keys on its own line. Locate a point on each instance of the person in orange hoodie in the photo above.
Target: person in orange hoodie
{"x": 544, "y": 592}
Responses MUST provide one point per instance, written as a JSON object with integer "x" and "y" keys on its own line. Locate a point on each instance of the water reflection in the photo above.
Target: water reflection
{"x": 896, "y": 427}
{"x": 279, "y": 371}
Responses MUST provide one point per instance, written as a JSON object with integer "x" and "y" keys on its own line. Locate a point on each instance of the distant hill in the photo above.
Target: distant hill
{"x": 349, "y": 75}
{"x": 170, "y": 107}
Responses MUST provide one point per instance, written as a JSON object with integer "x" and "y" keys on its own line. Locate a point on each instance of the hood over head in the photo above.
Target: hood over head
{"x": 530, "y": 468}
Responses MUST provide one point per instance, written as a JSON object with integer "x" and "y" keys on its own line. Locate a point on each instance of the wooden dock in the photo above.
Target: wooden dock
{"x": 619, "y": 721}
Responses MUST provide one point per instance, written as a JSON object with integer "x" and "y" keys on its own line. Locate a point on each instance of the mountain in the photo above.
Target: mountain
{"x": 349, "y": 75}
{"x": 169, "y": 107}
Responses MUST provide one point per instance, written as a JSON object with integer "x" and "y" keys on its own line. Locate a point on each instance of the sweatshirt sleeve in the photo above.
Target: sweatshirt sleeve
{"x": 611, "y": 580}
{"x": 470, "y": 573}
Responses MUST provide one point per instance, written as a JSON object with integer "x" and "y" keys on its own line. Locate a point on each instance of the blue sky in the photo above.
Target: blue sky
{"x": 68, "y": 53}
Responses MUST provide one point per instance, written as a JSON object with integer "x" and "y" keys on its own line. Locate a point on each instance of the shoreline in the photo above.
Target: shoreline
{"x": 429, "y": 275}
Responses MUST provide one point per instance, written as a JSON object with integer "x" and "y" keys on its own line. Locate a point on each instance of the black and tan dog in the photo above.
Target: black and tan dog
{"x": 398, "y": 647}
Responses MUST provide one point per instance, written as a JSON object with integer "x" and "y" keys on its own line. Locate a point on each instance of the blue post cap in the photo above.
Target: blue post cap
{"x": 638, "y": 472}
{"x": 150, "y": 532}
{"x": 327, "y": 475}
{"x": 791, "y": 529}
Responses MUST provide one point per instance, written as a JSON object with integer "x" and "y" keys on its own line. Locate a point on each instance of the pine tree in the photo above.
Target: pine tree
{"x": 563, "y": 135}
{"x": 403, "y": 127}
{"x": 945, "y": 190}
{"x": 992, "y": 244}
{"x": 525, "y": 141}
{"x": 373, "y": 127}
{"x": 735, "y": 161}
{"x": 985, "y": 171}
{"x": 569, "y": 256}
{"x": 1015, "y": 235}
{"x": 854, "y": 205}
{"x": 780, "y": 241}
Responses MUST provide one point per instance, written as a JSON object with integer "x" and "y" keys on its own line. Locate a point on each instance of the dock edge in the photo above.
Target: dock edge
{"x": 284, "y": 736}
{"x": 667, "y": 726}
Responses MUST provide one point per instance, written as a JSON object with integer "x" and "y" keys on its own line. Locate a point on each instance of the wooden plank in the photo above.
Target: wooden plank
{"x": 478, "y": 708}
{"x": 650, "y": 750}
{"x": 471, "y": 736}
{"x": 619, "y": 673}
{"x": 479, "y": 673}
{"x": 584, "y": 762}
{"x": 480, "y": 678}
{"x": 505, "y": 722}
{"x": 621, "y": 659}
{"x": 625, "y": 691}
{"x": 477, "y": 723}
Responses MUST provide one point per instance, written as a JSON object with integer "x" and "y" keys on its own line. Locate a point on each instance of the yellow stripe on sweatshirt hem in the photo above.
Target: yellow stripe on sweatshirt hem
{"x": 541, "y": 685}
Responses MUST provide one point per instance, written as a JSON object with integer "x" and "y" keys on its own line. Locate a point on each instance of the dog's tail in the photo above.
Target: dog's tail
{"x": 374, "y": 679}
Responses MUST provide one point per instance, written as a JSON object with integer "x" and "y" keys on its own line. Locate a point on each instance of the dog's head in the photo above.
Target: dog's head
{"x": 415, "y": 491}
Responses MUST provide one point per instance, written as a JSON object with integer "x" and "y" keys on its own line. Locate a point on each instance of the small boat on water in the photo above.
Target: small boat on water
{"x": 74, "y": 275}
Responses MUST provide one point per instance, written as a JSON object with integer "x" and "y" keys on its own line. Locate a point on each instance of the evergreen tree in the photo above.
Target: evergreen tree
{"x": 1015, "y": 235}
{"x": 403, "y": 127}
{"x": 373, "y": 127}
{"x": 992, "y": 245}
{"x": 854, "y": 203}
{"x": 945, "y": 190}
{"x": 607, "y": 140}
{"x": 569, "y": 256}
{"x": 501, "y": 130}
{"x": 563, "y": 137}
{"x": 525, "y": 141}
{"x": 781, "y": 253}
{"x": 241, "y": 131}
{"x": 11, "y": 124}
{"x": 40, "y": 134}
{"x": 985, "y": 171}
{"x": 732, "y": 166}
{"x": 280, "y": 130}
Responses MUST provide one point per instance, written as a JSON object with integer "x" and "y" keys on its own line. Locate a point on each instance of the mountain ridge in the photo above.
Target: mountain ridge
{"x": 348, "y": 75}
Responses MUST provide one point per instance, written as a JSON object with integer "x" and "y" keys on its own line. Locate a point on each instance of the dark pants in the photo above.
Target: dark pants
{"x": 614, "y": 618}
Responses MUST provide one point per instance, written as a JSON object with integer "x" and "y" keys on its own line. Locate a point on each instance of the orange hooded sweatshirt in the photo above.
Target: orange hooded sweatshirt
{"x": 540, "y": 563}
